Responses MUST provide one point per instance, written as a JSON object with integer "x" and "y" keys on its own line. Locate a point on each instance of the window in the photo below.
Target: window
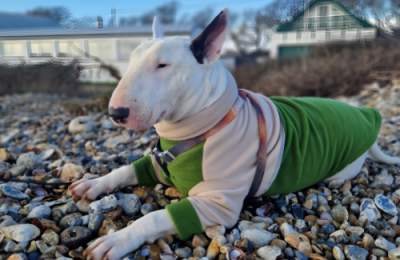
{"x": 323, "y": 23}
{"x": 311, "y": 24}
{"x": 323, "y": 10}
{"x": 69, "y": 48}
{"x": 125, "y": 48}
{"x": 102, "y": 48}
{"x": 42, "y": 48}
{"x": 12, "y": 48}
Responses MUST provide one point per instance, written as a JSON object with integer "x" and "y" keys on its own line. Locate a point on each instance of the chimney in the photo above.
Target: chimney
{"x": 99, "y": 22}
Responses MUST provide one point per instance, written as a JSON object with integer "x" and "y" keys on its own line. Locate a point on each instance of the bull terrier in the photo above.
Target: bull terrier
{"x": 219, "y": 145}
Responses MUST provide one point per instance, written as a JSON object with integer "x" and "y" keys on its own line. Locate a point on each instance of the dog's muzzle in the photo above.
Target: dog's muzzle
{"x": 119, "y": 114}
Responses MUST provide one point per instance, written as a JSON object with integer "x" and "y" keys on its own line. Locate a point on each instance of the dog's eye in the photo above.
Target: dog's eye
{"x": 161, "y": 65}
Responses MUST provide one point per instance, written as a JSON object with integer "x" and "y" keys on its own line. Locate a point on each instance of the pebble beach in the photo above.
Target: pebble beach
{"x": 44, "y": 147}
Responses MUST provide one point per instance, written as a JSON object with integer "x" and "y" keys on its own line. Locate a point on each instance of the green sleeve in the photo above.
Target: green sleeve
{"x": 185, "y": 218}
{"x": 145, "y": 172}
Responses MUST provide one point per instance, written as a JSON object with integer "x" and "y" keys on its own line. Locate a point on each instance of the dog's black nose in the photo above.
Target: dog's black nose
{"x": 119, "y": 114}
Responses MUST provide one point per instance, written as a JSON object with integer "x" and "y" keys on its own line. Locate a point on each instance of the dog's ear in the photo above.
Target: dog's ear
{"x": 158, "y": 30}
{"x": 206, "y": 47}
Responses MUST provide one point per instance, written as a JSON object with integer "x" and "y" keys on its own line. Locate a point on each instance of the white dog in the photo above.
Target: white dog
{"x": 219, "y": 145}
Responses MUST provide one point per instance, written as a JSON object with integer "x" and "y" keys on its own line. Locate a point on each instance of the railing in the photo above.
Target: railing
{"x": 343, "y": 22}
{"x": 309, "y": 37}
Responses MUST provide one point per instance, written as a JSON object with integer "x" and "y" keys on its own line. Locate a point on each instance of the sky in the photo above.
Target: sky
{"x": 82, "y": 8}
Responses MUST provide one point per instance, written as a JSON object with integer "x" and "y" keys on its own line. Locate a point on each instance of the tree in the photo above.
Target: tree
{"x": 166, "y": 13}
{"x": 58, "y": 14}
{"x": 201, "y": 18}
{"x": 253, "y": 30}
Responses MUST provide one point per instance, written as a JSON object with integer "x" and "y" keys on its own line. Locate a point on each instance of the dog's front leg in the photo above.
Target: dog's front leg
{"x": 91, "y": 188}
{"x": 116, "y": 245}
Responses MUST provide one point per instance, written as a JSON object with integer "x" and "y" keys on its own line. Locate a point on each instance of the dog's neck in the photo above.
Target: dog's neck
{"x": 201, "y": 107}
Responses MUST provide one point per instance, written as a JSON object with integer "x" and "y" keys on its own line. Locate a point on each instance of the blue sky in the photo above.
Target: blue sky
{"x": 81, "y": 8}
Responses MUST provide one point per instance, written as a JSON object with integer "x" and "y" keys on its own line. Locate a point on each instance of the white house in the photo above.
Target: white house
{"x": 111, "y": 45}
{"x": 322, "y": 21}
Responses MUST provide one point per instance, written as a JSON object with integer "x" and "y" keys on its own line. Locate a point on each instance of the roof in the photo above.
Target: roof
{"x": 287, "y": 26}
{"x": 35, "y": 33}
{"x": 18, "y": 21}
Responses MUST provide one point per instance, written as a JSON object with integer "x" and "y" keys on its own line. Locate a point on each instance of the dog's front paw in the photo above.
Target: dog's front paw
{"x": 88, "y": 189}
{"x": 113, "y": 246}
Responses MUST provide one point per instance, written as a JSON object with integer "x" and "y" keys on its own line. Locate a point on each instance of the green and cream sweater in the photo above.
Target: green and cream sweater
{"x": 320, "y": 137}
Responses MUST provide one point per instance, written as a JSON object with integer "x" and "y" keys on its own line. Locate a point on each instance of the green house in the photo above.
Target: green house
{"x": 321, "y": 22}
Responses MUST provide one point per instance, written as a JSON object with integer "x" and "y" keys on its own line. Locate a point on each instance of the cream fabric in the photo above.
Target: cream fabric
{"x": 229, "y": 157}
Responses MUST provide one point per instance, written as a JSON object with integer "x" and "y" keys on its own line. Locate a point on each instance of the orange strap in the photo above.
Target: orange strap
{"x": 165, "y": 157}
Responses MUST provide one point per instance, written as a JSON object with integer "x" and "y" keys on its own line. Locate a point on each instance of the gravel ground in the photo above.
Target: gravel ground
{"x": 41, "y": 142}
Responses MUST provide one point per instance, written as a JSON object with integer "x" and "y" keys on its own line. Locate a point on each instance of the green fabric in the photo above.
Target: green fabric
{"x": 186, "y": 170}
{"x": 322, "y": 137}
{"x": 145, "y": 172}
{"x": 185, "y": 218}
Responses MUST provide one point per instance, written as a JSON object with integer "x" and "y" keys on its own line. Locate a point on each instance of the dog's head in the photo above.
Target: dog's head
{"x": 163, "y": 73}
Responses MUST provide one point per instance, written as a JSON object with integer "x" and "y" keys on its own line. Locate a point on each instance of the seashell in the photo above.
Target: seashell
{"x": 12, "y": 192}
{"x": 385, "y": 204}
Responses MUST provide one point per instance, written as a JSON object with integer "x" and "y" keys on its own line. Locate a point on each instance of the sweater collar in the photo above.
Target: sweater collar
{"x": 204, "y": 120}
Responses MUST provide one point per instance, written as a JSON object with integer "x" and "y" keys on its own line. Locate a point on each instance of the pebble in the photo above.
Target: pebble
{"x": 20, "y": 232}
{"x": 215, "y": 231}
{"x": 130, "y": 203}
{"x": 71, "y": 220}
{"x": 199, "y": 241}
{"x": 355, "y": 253}
{"x": 184, "y": 252}
{"x": 41, "y": 211}
{"x": 6, "y": 221}
{"x": 384, "y": 244}
{"x": 19, "y": 256}
{"x": 50, "y": 237}
{"x": 338, "y": 253}
{"x": 4, "y": 155}
{"x": 12, "y": 192}
{"x": 340, "y": 214}
{"x": 81, "y": 124}
{"x": 199, "y": 251}
{"x": 213, "y": 248}
{"x": 300, "y": 242}
{"x": 368, "y": 241}
{"x": 114, "y": 141}
{"x": 385, "y": 204}
{"x": 107, "y": 203}
{"x": 245, "y": 224}
{"x": 146, "y": 208}
{"x": 394, "y": 254}
{"x": 258, "y": 237}
{"x": 71, "y": 172}
{"x": 269, "y": 252}
{"x": 369, "y": 211}
{"x": 383, "y": 180}
{"x": 75, "y": 236}
{"x": 28, "y": 161}
{"x": 95, "y": 221}
{"x": 326, "y": 221}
